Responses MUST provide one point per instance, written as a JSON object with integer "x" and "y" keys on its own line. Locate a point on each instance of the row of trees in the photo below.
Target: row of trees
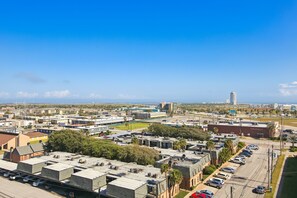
{"x": 76, "y": 142}
{"x": 178, "y": 132}
{"x": 226, "y": 152}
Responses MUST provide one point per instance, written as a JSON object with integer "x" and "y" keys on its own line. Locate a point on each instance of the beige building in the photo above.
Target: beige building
{"x": 8, "y": 141}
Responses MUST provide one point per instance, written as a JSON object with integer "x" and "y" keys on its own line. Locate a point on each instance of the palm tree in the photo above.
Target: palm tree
{"x": 210, "y": 145}
{"x": 164, "y": 169}
{"x": 176, "y": 145}
{"x": 229, "y": 145}
{"x": 183, "y": 144}
{"x": 175, "y": 177}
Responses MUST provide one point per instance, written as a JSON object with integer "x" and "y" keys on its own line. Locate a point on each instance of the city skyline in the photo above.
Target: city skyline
{"x": 148, "y": 52}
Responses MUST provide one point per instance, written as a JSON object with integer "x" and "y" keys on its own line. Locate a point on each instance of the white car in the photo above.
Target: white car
{"x": 38, "y": 182}
{"x": 218, "y": 180}
{"x": 238, "y": 160}
{"x": 228, "y": 169}
{"x": 222, "y": 175}
{"x": 27, "y": 179}
{"x": 252, "y": 147}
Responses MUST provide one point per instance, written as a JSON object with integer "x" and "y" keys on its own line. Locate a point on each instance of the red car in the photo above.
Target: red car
{"x": 200, "y": 195}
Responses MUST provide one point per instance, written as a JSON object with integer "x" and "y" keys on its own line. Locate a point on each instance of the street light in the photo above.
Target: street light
{"x": 281, "y": 135}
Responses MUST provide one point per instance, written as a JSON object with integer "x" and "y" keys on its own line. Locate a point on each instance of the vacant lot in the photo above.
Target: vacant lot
{"x": 286, "y": 121}
{"x": 290, "y": 178}
{"x": 132, "y": 126}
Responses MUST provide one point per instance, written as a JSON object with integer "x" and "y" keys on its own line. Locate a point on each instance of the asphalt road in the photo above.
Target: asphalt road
{"x": 248, "y": 176}
{"x": 15, "y": 189}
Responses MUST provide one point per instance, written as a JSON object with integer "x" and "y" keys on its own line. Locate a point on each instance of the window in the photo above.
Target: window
{"x": 5, "y": 146}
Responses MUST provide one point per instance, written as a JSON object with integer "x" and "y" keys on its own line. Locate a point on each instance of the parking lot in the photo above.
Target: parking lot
{"x": 246, "y": 177}
{"x": 11, "y": 189}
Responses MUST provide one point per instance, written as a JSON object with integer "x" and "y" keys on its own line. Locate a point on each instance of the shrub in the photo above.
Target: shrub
{"x": 293, "y": 149}
{"x": 209, "y": 169}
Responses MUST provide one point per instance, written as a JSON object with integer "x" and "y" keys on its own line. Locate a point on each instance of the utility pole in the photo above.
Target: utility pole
{"x": 271, "y": 163}
{"x": 269, "y": 168}
{"x": 231, "y": 190}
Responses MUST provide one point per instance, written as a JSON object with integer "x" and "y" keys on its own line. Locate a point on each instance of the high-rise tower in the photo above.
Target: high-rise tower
{"x": 233, "y": 99}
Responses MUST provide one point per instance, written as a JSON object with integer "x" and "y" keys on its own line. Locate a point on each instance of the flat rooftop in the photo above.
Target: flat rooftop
{"x": 127, "y": 183}
{"x": 58, "y": 167}
{"x": 8, "y": 165}
{"x": 111, "y": 167}
{"x": 33, "y": 161}
{"x": 89, "y": 174}
{"x": 243, "y": 124}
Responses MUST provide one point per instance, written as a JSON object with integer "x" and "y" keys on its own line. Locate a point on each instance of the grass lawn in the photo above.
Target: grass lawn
{"x": 205, "y": 176}
{"x": 132, "y": 126}
{"x": 275, "y": 175}
{"x": 286, "y": 121}
{"x": 181, "y": 194}
{"x": 290, "y": 178}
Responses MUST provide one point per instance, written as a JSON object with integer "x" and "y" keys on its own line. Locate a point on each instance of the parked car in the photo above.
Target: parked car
{"x": 259, "y": 190}
{"x": 228, "y": 170}
{"x": 206, "y": 192}
{"x": 15, "y": 177}
{"x": 242, "y": 156}
{"x": 222, "y": 175}
{"x": 247, "y": 154}
{"x": 248, "y": 151}
{"x": 218, "y": 180}
{"x": 214, "y": 183}
{"x": 28, "y": 178}
{"x": 7, "y": 174}
{"x": 38, "y": 182}
{"x": 200, "y": 195}
{"x": 252, "y": 147}
{"x": 238, "y": 160}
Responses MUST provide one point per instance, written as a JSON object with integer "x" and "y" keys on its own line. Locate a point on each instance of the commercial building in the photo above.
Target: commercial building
{"x": 148, "y": 115}
{"x": 93, "y": 130}
{"x": 249, "y": 129}
{"x": 233, "y": 98}
{"x": 166, "y": 107}
{"x": 31, "y": 166}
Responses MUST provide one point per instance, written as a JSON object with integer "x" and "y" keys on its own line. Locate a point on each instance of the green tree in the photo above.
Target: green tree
{"x": 210, "y": 145}
{"x": 229, "y": 145}
{"x": 183, "y": 144}
{"x": 134, "y": 140}
{"x": 216, "y": 130}
{"x": 224, "y": 155}
{"x": 175, "y": 177}
{"x": 165, "y": 169}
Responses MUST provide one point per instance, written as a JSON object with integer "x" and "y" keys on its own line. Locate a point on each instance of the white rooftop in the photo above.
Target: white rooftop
{"x": 58, "y": 167}
{"x": 33, "y": 161}
{"x": 127, "y": 183}
{"x": 89, "y": 173}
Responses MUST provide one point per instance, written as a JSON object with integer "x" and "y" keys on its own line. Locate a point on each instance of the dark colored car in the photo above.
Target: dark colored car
{"x": 259, "y": 190}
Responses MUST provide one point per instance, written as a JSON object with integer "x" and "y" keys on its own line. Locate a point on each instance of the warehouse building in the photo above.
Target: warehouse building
{"x": 249, "y": 129}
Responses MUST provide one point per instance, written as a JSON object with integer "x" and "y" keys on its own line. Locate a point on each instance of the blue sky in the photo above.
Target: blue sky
{"x": 185, "y": 51}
